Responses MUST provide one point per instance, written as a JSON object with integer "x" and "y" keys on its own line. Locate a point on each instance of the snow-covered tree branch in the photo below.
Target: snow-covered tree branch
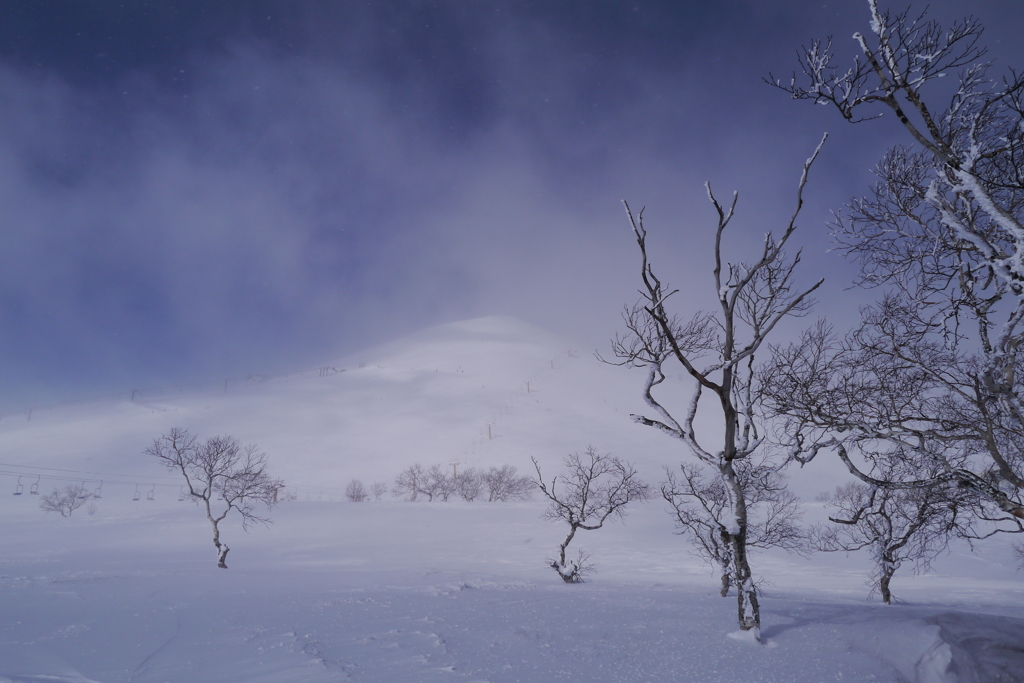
{"x": 933, "y": 368}
{"x": 717, "y": 351}
{"x": 702, "y": 511}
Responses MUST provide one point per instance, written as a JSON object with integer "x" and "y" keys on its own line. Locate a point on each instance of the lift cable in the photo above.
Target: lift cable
{"x": 103, "y": 475}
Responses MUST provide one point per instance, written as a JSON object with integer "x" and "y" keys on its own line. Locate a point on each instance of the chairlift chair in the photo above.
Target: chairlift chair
{"x": 82, "y": 492}
{"x": 152, "y": 493}
{"x": 19, "y": 489}
{"x": 181, "y": 494}
{"x": 34, "y": 489}
{"x": 137, "y": 494}
{"x": 98, "y": 493}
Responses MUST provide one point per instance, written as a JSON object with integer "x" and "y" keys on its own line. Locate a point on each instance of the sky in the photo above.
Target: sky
{"x": 192, "y": 191}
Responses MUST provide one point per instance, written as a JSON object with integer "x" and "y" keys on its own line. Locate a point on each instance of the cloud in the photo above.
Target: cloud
{"x": 264, "y": 201}
{"x": 227, "y": 226}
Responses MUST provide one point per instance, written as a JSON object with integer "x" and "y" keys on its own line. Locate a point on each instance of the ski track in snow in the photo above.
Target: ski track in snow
{"x": 396, "y": 591}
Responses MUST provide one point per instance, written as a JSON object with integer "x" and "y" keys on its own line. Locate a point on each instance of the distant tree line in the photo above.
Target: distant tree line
{"x": 498, "y": 484}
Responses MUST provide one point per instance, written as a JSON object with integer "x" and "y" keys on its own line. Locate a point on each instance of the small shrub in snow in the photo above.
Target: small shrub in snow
{"x": 577, "y": 570}
{"x": 65, "y": 501}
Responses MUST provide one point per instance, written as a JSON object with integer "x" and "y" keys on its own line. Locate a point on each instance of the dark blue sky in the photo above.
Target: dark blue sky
{"x": 198, "y": 190}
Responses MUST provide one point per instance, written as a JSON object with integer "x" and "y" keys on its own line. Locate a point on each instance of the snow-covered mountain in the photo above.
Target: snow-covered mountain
{"x": 483, "y": 392}
{"x": 455, "y": 591}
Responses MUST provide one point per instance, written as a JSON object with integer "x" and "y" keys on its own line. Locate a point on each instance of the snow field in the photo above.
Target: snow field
{"x": 399, "y": 591}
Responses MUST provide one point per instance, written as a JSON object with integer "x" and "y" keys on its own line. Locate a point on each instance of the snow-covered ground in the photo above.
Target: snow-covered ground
{"x": 399, "y": 591}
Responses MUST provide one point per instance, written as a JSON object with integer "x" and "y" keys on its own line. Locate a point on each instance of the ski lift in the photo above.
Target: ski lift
{"x": 137, "y": 494}
{"x": 82, "y": 492}
{"x": 152, "y": 493}
{"x": 98, "y": 493}
{"x": 181, "y": 494}
{"x": 34, "y": 490}
{"x": 19, "y": 489}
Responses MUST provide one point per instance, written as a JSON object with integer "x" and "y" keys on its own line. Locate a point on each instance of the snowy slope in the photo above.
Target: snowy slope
{"x": 398, "y": 591}
{"x": 429, "y": 399}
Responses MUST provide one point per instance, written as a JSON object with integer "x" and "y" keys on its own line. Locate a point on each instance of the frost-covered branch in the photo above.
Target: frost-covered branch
{"x": 702, "y": 510}
{"x": 933, "y": 369}
{"x": 719, "y": 353}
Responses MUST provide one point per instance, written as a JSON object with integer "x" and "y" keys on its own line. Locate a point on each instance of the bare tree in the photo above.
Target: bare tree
{"x": 701, "y": 509}
{"x": 594, "y": 488}
{"x": 902, "y": 412}
{"x": 469, "y": 484}
{"x": 222, "y": 475}
{"x": 896, "y": 525}
{"x": 409, "y": 482}
{"x": 439, "y": 483}
{"x": 717, "y": 351}
{"x": 504, "y": 484}
{"x": 66, "y": 500}
{"x": 942, "y": 230}
{"x": 378, "y": 489}
{"x": 355, "y": 492}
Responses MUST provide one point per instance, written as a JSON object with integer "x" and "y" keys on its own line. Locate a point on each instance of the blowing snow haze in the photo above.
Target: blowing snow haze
{"x": 193, "y": 191}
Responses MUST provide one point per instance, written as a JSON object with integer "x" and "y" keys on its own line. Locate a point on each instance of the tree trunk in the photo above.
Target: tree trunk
{"x": 565, "y": 544}
{"x": 883, "y": 582}
{"x": 222, "y": 548}
{"x": 222, "y": 555}
{"x": 749, "y": 611}
{"x": 725, "y": 563}
{"x": 568, "y": 574}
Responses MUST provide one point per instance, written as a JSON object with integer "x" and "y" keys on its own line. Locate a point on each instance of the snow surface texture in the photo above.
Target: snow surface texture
{"x": 397, "y": 591}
